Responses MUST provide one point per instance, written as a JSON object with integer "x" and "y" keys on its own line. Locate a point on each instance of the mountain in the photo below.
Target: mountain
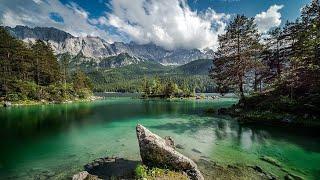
{"x": 98, "y": 49}
{"x": 130, "y": 78}
{"x": 197, "y": 67}
{"x": 123, "y": 59}
{"x": 43, "y": 33}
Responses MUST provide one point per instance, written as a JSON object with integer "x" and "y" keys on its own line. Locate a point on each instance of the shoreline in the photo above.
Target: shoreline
{"x": 44, "y": 102}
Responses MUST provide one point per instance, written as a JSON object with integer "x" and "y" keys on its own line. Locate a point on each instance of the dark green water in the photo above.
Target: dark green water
{"x": 55, "y": 141}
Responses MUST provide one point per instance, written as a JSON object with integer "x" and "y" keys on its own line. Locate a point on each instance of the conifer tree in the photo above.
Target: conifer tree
{"x": 238, "y": 54}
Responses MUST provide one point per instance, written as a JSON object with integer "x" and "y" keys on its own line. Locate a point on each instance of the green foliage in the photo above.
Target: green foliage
{"x": 143, "y": 172}
{"x": 237, "y": 55}
{"x": 84, "y": 93}
{"x": 33, "y": 73}
{"x": 197, "y": 67}
{"x": 290, "y": 71}
{"x": 164, "y": 89}
{"x": 132, "y": 77}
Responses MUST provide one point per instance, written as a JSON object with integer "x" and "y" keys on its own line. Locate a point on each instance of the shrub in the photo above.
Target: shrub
{"x": 84, "y": 93}
{"x": 14, "y": 97}
{"x": 143, "y": 172}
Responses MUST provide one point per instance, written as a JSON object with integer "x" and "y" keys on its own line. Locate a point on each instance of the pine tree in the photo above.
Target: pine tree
{"x": 46, "y": 65}
{"x": 65, "y": 65}
{"x": 238, "y": 54}
{"x": 81, "y": 81}
{"x": 302, "y": 77}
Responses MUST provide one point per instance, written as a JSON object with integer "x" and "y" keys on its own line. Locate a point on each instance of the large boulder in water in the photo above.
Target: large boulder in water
{"x": 157, "y": 152}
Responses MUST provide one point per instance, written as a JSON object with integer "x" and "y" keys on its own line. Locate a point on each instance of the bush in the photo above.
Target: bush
{"x": 14, "y": 97}
{"x": 143, "y": 172}
{"x": 84, "y": 93}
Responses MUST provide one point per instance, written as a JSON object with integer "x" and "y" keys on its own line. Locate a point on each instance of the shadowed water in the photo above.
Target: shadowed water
{"x": 55, "y": 141}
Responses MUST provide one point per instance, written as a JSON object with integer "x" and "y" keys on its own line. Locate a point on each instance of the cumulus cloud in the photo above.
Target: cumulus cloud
{"x": 167, "y": 23}
{"x": 269, "y": 19}
{"x": 73, "y": 18}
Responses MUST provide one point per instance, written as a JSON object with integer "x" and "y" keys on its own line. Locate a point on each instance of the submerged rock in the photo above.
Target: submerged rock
{"x": 196, "y": 150}
{"x": 155, "y": 151}
{"x": 290, "y": 176}
{"x": 7, "y": 104}
{"x": 179, "y": 146}
{"x": 271, "y": 161}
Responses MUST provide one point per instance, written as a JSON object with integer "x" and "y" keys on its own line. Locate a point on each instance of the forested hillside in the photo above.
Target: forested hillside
{"x": 32, "y": 72}
{"x": 130, "y": 78}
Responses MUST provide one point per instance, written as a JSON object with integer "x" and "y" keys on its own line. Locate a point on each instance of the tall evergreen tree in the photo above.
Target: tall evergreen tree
{"x": 303, "y": 74}
{"x": 46, "y": 66}
{"x": 238, "y": 54}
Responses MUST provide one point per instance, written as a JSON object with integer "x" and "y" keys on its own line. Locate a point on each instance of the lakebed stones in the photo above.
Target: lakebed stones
{"x": 155, "y": 151}
{"x": 271, "y": 161}
{"x": 80, "y": 176}
{"x": 7, "y": 104}
{"x": 84, "y": 175}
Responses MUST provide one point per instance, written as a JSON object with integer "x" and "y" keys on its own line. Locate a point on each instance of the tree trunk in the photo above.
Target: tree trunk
{"x": 255, "y": 84}
{"x": 241, "y": 89}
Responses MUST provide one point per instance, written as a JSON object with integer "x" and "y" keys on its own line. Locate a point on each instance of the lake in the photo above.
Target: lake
{"x": 55, "y": 141}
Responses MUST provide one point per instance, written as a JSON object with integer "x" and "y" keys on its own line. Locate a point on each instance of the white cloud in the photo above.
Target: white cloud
{"x": 36, "y": 13}
{"x": 269, "y": 19}
{"x": 167, "y": 23}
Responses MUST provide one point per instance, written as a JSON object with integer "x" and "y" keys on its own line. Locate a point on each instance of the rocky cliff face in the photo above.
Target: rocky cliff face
{"x": 97, "y": 48}
{"x": 43, "y": 33}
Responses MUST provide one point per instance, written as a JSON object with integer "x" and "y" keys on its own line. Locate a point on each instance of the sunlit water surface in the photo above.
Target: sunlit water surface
{"x": 55, "y": 141}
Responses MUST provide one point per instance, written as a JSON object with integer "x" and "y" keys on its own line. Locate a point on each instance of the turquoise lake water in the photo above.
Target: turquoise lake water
{"x": 55, "y": 141}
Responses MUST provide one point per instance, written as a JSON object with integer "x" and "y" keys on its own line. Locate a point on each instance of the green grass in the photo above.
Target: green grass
{"x": 143, "y": 172}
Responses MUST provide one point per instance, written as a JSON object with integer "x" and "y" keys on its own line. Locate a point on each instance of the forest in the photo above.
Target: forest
{"x": 280, "y": 69}
{"x": 31, "y": 72}
{"x": 131, "y": 78}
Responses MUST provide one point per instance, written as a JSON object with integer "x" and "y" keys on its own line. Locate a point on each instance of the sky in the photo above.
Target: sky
{"x": 170, "y": 24}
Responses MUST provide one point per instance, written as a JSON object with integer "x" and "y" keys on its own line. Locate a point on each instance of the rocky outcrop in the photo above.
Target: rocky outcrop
{"x": 158, "y": 152}
{"x": 84, "y": 175}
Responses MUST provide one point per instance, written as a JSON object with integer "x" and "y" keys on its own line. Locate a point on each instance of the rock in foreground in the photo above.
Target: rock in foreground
{"x": 84, "y": 175}
{"x": 157, "y": 152}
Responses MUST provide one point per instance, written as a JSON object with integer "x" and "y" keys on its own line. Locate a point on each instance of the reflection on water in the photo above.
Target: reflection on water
{"x": 56, "y": 140}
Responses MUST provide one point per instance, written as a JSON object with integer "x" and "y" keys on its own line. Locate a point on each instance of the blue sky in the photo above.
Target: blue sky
{"x": 167, "y": 23}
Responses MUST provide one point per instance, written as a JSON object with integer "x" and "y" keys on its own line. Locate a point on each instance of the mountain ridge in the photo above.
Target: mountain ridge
{"x": 98, "y": 49}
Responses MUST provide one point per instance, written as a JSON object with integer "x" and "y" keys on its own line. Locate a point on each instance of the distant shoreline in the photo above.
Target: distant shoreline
{"x": 44, "y": 102}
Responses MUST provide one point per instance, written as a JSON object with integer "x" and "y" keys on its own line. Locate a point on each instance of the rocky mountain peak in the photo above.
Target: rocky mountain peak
{"x": 42, "y": 33}
{"x": 97, "y": 48}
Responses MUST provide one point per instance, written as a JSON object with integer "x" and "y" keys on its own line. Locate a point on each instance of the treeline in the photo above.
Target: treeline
{"x": 286, "y": 59}
{"x": 282, "y": 66}
{"x": 32, "y": 72}
{"x": 130, "y": 78}
{"x": 165, "y": 89}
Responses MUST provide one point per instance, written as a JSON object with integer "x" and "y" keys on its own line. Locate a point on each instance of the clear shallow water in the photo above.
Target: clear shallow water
{"x": 55, "y": 141}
